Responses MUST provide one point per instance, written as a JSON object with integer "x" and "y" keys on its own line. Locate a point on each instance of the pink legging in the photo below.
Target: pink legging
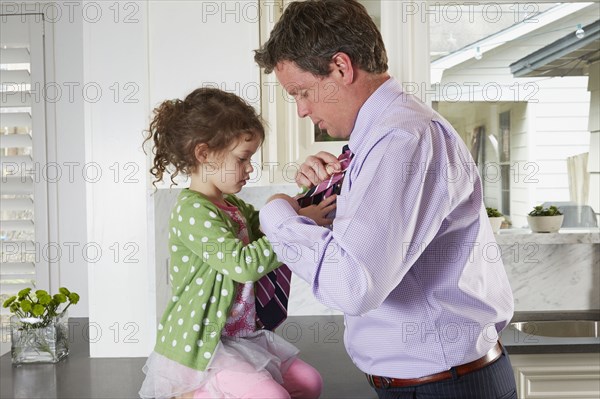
{"x": 301, "y": 381}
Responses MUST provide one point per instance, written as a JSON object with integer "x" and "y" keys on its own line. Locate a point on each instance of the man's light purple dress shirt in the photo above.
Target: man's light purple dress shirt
{"x": 411, "y": 260}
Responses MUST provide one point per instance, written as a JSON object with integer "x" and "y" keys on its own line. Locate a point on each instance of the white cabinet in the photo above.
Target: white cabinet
{"x": 565, "y": 375}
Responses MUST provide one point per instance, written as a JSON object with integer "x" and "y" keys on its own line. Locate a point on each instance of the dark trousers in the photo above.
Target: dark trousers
{"x": 495, "y": 381}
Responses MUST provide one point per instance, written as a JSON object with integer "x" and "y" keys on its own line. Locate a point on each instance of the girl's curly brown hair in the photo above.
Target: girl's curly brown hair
{"x": 207, "y": 115}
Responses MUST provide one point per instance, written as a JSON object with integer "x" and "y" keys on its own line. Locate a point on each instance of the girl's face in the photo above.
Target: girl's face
{"x": 229, "y": 171}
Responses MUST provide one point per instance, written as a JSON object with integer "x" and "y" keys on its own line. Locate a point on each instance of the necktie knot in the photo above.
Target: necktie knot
{"x": 330, "y": 186}
{"x": 345, "y": 157}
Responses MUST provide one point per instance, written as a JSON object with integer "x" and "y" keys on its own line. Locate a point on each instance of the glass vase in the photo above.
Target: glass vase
{"x": 32, "y": 342}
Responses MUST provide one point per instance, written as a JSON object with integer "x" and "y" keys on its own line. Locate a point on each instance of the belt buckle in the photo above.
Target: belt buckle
{"x": 385, "y": 382}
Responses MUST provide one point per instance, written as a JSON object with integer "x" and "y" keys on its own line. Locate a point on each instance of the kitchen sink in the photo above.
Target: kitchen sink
{"x": 560, "y": 328}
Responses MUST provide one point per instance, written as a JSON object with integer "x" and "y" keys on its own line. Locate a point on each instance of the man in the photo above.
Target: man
{"x": 406, "y": 258}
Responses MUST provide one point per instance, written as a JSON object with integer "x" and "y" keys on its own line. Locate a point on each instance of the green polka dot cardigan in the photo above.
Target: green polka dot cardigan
{"x": 207, "y": 261}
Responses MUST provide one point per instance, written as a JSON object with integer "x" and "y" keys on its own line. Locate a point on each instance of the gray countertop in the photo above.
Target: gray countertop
{"x": 319, "y": 338}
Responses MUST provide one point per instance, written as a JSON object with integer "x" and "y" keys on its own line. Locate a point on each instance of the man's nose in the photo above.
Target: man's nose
{"x": 302, "y": 110}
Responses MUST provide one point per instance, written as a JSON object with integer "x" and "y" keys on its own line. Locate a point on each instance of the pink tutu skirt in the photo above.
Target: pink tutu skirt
{"x": 263, "y": 350}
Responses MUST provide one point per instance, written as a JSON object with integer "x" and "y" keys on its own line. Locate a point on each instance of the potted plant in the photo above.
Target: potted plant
{"x": 39, "y": 330}
{"x": 545, "y": 220}
{"x": 496, "y": 218}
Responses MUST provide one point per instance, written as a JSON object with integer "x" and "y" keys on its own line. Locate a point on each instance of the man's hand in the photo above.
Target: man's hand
{"x": 286, "y": 197}
{"x": 319, "y": 212}
{"x": 317, "y": 168}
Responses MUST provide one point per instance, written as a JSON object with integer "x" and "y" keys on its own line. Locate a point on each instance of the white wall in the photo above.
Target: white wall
{"x": 203, "y": 43}
{"x": 121, "y": 281}
{"x": 70, "y": 154}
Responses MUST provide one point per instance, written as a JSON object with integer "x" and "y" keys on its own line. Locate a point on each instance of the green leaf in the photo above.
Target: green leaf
{"x": 38, "y": 309}
{"x": 73, "y": 298}
{"x": 9, "y": 301}
{"x": 60, "y": 298}
{"x": 45, "y": 300}
{"x": 23, "y": 293}
{"x": 493, "y": 212}
{"x": 64, "y": 291}
{"x": 541, "y": 211}
{"x": 26, "y": 305}
{"x": 40, "y": 293}
{"x": 14, "y": 307}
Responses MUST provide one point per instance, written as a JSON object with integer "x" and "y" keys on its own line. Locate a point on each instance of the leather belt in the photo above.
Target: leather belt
{"x": 388, "y": 382}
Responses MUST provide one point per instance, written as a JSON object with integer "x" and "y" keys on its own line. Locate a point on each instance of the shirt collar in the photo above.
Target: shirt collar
{"x": 371, "y": 111}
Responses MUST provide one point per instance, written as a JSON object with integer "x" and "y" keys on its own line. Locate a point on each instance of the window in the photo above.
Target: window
{"x": 534, "y": 116}
{"x": 24, "y": 192}
{"x": 504, "y": 162}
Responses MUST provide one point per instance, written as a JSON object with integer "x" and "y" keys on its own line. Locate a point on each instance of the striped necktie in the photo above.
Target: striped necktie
{"x": 331, "y": 186}
{"x": 272, "y": 292}
{"x": 273, "y": 289}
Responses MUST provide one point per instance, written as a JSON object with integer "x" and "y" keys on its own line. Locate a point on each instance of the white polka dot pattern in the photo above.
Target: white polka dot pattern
{"x": 205, "y": 253}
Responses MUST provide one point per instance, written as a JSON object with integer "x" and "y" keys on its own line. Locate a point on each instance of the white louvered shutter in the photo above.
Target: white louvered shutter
{"x": 23, "y": 188}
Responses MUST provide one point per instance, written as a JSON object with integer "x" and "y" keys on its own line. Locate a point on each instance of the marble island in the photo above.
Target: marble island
{"x": 563, "y": 236}
{"x": 552, "y": 271}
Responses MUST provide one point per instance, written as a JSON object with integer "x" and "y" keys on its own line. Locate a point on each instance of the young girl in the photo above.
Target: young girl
{"x": 208, "y": 344}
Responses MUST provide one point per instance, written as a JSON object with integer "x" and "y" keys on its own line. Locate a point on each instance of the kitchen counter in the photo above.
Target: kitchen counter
{"x": 319, "y": 338}
{"x": 563, "y": 236}
{"x": 78, "y": 376}
{"x": 550, "y": 271}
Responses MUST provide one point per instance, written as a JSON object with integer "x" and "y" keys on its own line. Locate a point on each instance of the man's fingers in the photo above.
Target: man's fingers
{"x": 317, "y": 168}
{"x": 327, "y": 157}
{"x": 307, "y": 177}
{"x": 332, "y": 164}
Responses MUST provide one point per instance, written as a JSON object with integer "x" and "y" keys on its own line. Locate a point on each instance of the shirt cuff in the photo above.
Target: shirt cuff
{"x": 273, "y": 214}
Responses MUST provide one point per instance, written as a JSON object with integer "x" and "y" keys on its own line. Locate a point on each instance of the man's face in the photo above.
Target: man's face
{"x": 322, "y": 99}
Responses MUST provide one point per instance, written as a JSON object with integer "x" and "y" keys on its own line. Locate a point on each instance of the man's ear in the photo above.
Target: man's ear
{"x": 201, "y": 152}
{"x": 342, "y": 65}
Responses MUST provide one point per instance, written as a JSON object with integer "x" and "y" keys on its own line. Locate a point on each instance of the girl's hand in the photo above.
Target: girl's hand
{"x": 286, "y": 197}
{"x": 319, "y": 212}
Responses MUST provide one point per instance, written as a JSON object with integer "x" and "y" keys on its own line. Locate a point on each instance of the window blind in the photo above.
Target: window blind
{"x": 23, "y": 190}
